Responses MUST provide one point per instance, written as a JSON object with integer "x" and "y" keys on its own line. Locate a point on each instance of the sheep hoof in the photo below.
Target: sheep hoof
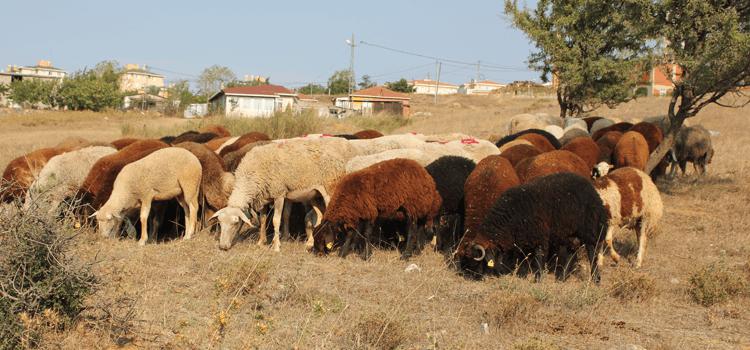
{"x": 277, "y": 248}
{"x": 141, "y": 243}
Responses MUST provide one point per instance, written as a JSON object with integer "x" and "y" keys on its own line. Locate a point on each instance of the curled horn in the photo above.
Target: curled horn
{"x": 481, "y": 249}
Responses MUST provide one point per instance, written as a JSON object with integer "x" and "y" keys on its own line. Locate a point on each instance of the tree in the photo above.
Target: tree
{"x": 87, "y": 90}
{"x": 33, "y": 92}
{"x": 234, "y": 83}
{"x": 366, "y": 83}
{"x": 338, "y": 83}
{"x": 595, "y": 49}
{"x": 213, "y": 78}
{"x": 312, "y": 89}
{"x": 109, "y": 71}
{"x": 400, "y": 85}
{"x": 710, "y": 43}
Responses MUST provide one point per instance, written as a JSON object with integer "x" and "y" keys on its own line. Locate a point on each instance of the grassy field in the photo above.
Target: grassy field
{"x": 692, "y": 292}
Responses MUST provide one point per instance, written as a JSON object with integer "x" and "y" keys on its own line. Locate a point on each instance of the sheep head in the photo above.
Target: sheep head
{"x": 601, "y": 169}
{"x": 325, "y": 238}
{"x": 229, "y": 219}
{"x": 108, "y": 222}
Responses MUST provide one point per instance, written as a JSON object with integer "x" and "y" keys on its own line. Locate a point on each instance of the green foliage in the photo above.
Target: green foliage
{"x": 597, "y": 48}
{"x": 338, "y": 83}
{"x": 366, "y": 82}
{"x": 213, "y": 78}
{"x": 312, "y": 89}
{"x": 109, "y": 71}
{"x": 234, "y": 83}
{"x": 32, "y": 92}
{"x": 400, "y": 85}
{"x": 87, "y": 90}
{"x": 4, "y": 89}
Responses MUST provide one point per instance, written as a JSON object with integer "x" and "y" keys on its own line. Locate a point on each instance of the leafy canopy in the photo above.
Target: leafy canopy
{"x": 400, "y": 85}
{"x": 338, "y": 83}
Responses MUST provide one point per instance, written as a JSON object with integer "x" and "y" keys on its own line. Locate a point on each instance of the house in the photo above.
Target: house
{"x": 658, "y": 80}
{"x": 428, "y": 86}
{"x": 138, "y": 79}
{"x": 375, "y": 99}
{"x": 144, "y": 101}
{"x": 42, "y": 71}
{"x": 309, "y": 103}
{"x": 253, "y": 101}
{"x": 483, "y": 87}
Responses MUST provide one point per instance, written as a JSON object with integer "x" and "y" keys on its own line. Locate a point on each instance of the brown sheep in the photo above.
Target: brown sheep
{"x": 590, "y": 121}
{"x": 621, "y": 127}
{"x": 214, "y": 144}
{"x": 585, "y": 148}
{"x": 123, "y": 142}
{"x": 513, "y": 143}
{"x": 368, "y": 134}
{"x": 692, "y": 144}
{"x": 244, "y": 140}
{"x": 607, "y": 144}
{"x": 192, "y": 136}
{"x": 232, "y": 160}
{"x": 550, "y": 163}
{"x": 653, "y": 135}
{"x": 97, "y": 187}
{"x": 518, "y": 153}
{"x": 219, "y": 130}
{"x": 491, "y": 177}
{"x": 393, "y": 189}
{"x": 21, "y": 172}
{"x": 538, "y": 141}
{"x": 631, "y": 150}
{"x": 216, "y": 183}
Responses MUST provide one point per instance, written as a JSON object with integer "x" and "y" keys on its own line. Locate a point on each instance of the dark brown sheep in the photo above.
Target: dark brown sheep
{"x": 398, "y": 189}
{"x": 631, "y": 150}
{"x": 590, "y": 121}
{"x": 216, "y": 183}
{"x": 97, "y": 187}
{"x": 692, "y": 144}
{"x": 518, "y": 153}
{"x": 585, "y": 148}
{"x": 244, "y": 140}
{"x": 214, "y": 144}
{"x": 368, "y": 134}
{"x": 559, "y": 161}
{"x": 490, "y": 179}
{"x": 123, "y": 142}
{"x": 539, "y": 141}
{"x": 192, "y": 136}
{"x": 219, "y": 130}
{"x": 21, "y": 172}
{"x": 621, "y": 127}
{"x": 232, "y": 160}
{"x": 607, "y": 144}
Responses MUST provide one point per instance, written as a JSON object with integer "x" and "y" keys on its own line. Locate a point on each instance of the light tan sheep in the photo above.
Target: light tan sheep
{"x": 165, "y": 174}
{"x": 384, "y": 143}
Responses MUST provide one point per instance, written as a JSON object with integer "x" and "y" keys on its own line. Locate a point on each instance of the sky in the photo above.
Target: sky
{"x": 293, "y": 42}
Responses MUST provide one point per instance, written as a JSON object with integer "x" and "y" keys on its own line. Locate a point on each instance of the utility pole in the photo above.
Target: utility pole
{"x": 478, "y": 65}
{"x": 352, "y": 44}
{"x": 437, "y": 82}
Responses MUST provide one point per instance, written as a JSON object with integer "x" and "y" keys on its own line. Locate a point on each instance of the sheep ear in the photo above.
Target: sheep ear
{"x": 216, "y": 214}
{"x": 117, "y": 216}
{"x": 244, "y": 218}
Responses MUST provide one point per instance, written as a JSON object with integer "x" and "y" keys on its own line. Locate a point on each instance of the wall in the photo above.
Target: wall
{"x": 430, "y": 89}
{"x": 134, "y": 81}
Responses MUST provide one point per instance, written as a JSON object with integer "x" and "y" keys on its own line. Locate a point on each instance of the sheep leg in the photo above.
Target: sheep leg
{"x": 263, "y": 218}
{"x": 347, "y": 244}
{"x": 610, "y": 245}
{"x": 541, "y": 261}
{"x": 642, "y": 235}
{"x": 278, "y": 208}
{"x": 309, "y": 225}
{"x": 368, "y": 245}
{"x": 411, "y": 240}
{"x": 145, "y": 209}
{"x": 683, "y": 165}
{"x": 191, "y": 215}
{"x": 673, "y": 170}
{"x": 596, "y": 262}
{"x": 285, "y": 215}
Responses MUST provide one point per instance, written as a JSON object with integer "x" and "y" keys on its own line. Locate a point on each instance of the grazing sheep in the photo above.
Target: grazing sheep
{"x": 692, "y": 144}
{"x": 510, "y": 144}
{"x": 232, "y": 159}
{"x": 447, "y": 137}
{"x": 123, "y": 142}
{"x": 299, "y": 171}
{"x": 216, "y": 183}
{"x": 607, "y": 143}
{"x": 450, "y": 174}
{"x": 551, "y": 138}
{"x": 523, "y": 122}
{"x": 572, "y": 134}
{"x": 487, "y": 182}
{"x": 192, "y": 136}
{"x": 631, "y": 150}
{"x": 384, "y": 143}
{"x": 420, "y": 156}
{"x": 654, "y": 137}
{"x": 585, "y": 148}
{"x": 569, "y": 123}
{"x": 244, "y": 140}
{"x": 590, "y": 122}
{"x": 518, "y": 153}
{"x": 550, "y": 163}
{"x": 97, "y": 186}
{"x": 368, "y": 134}
{"x": 633, "y": 201}
{"x": 21, "y": 172}
{"x": 476, "y": 148}
{"x": 530, "y": 220}
{"x": 214, "y": 144}
{"x": 167, "y": 139}
{"x": 164, "y": 174}
{"x": 555, "y": 131}
{"x": 662, "y": 122}
{"x": 621, "y": 127}
{"x": 347, "y": 136}
{"x": 63, "y": 175}
{"x": 538, "y": 141}
{"x": 219, "y": 130}
{"x": 393, "y": 189}
{"x": 600, "y": 124}
{"x": 226, "y": 143}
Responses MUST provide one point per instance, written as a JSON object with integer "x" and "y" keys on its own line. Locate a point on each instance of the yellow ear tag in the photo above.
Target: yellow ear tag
{"x": 77, "y": 224}
{"x": 400, "y": 238}
{"x": 491, "y": 263}
{"x": 329, "y": 245}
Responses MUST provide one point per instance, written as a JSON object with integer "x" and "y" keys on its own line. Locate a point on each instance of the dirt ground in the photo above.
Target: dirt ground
{"x": 189, "y": 294}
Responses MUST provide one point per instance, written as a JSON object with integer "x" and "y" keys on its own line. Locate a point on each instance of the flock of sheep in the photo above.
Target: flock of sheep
{"x": 533, "y": 200}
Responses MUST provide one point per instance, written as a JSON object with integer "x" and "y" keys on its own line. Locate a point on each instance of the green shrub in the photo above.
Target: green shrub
{"x": 716, "y": 283}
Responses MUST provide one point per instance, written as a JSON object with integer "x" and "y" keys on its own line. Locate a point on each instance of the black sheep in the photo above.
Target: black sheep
{"x": 192, "y": 136}
{"x": 553, "y": 214}
{"x": 450, "y": 173}
{"x": 347, "y": 136}
{"x": 551, "y": 138}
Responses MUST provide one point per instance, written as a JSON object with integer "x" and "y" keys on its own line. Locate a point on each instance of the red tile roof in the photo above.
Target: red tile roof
{"x": 379, "y": 91}
{"x": 266, "y": 89}
{"x": 488, "y": 82}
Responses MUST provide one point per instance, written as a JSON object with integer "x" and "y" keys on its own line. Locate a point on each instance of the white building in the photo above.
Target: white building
{"x": 253, "y": 101}
{"x": 42, "y": 71}
{"x": 483, "y": 87}
{"x": 427, "y": 86}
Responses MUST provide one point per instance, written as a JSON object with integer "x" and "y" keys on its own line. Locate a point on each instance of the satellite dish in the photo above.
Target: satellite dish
{"x": 348, "y": 41}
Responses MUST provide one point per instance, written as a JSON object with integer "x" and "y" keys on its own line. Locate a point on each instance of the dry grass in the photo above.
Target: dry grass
{"x": 295, "y": 300}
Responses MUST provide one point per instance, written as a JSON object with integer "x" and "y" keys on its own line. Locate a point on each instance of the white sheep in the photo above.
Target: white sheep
{"x": 555, "y": 130}
{"x": 577, "y": 122}
{"x": 361, "y": 162}
{"x": 600, "y": 124}
{"x": 165, "y": 174}
{"x": 388, "y": 142}
{"x": 472, "y": 148}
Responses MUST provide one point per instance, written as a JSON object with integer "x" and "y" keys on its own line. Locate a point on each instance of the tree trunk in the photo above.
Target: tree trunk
{"x": 563, "y": 103}
{"x": 675, "y": 123}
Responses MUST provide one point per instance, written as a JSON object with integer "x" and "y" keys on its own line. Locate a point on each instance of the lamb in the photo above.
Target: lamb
{"x": 244, "y": 140}
{"x": 63, "y": 175}
{"x": 392, "y": 189}
{"x": 529, "y": 219}
{"x": 299, "y": 171}
{"x": 633, "y": 201}
{"x": 585, "y": 148}
{"x": 538, "y": 141}
{"x": 192, "y": 136}
{"x": 368, "y": 134}
{"x": 232, "y": 159}
{"x": 216, "y": 183}
{"x": 513, "y": 143}
{"x": 692, "y": 144}
{"x": 631, "y": 150}
{"x": 573, "y": 134}
{"x": 551, "y": 138}
{"x": 487, "y": 182}
{"x": 21, "y": 172}
{"x": 123, "y": 142}
{"x": 97, "y": 186}
{"x": 219, "y": 130}
{"x": 518, "y": 153}
{"x": 551, "y": 163}
{"x": 228, "y": 142}
{"x": 450, "y": 174}
{"x": 164, "y": 174}
{"x": 600, "y": 124}
{"x": 621, "y": 127}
